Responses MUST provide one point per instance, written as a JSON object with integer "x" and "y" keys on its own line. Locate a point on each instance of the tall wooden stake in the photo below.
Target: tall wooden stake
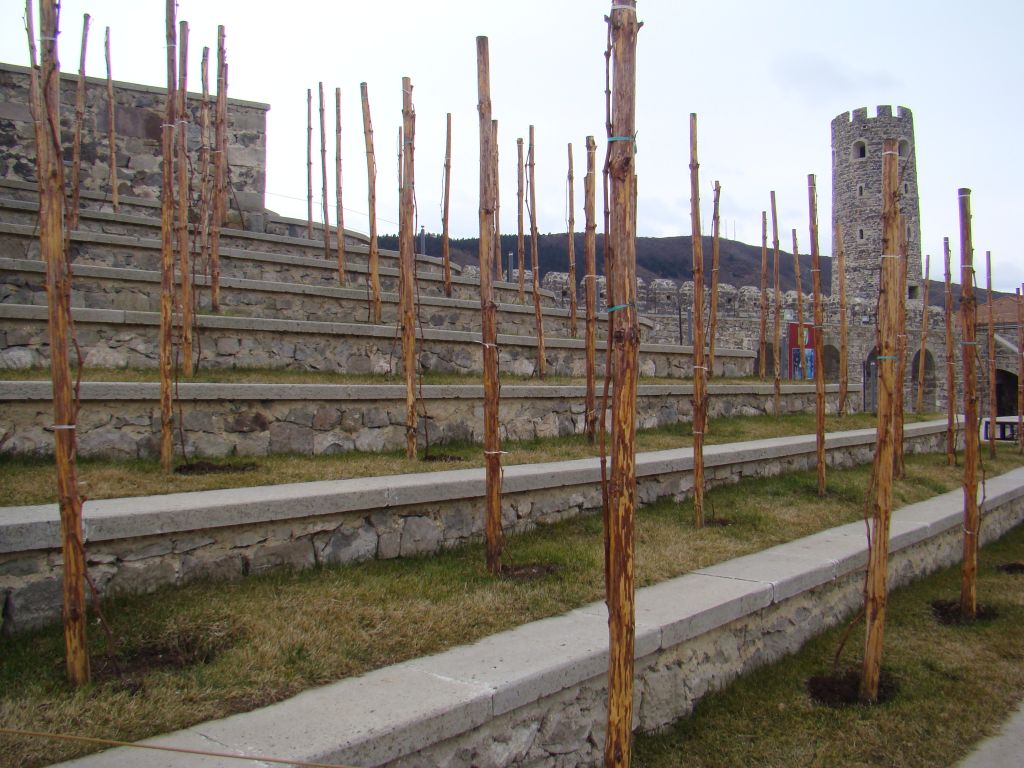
{"x": 819, "y": 333}
{"x": 993, "y": 411}
{"x": 323, "y": 177}
{"x": 844, "y": 374}
{"x": 76, "y": 146}
{"x": 700, "y": 369}
{"x": 889, "y": 307}
{"x": 488, "y": 312}
{"x": 339, "y": 211}
{"x": 167, "y": 248}
{"x": 445, "y": 257}
{"x": 535, "y": 264}
{"x": 713, "y": 312}
{"x": 111, "y": 130}
{"x": 371, "y": 183}
{"x": 924, "y": 336}
{"x": 625, "y": 374}
{"x": 777, "y": 337}
{"x": 496, "y": 261}
{"x": 50, "y": 171}
{"x": 520, "y": 244}
{"x": 205, "y": 177}
{"x": 309, "y": 163}
{"x": 762, "y": 339}
{"x": 590, "y": 285}
{"x": 220, "y": 169}
{"x": 800, "y": 337}
{"x": 950, "y": 362}
{"x": 901, "y": 353}
{"x": 407, "y": 266}
{"x": 572, "y": 249}
{"x": 183, "y": 202}
{"x": 969, "y": 342}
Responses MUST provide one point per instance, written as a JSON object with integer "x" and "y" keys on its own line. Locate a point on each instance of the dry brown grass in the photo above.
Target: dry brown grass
{"x": 276, "y": 634}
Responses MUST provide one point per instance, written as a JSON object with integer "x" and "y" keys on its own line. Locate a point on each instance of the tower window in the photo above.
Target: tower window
{"x": 860, "y": 150}
{"x": 860, "y": 191}
{"x": 903, "y": 148}
{"x": 860, "y": 234}
{"x": 906, "y": 189}
{"x": 912, "y": 292}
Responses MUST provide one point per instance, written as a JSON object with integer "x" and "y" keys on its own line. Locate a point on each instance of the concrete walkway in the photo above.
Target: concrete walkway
{"x": 1004, "y": 750}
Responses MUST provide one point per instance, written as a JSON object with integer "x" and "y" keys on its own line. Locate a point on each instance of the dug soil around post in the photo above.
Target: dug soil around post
{"x": 529, "y": 571}
{"x": 842, "y": 689}
{"x": 948, "y": 612}
{"x": 212, "y": 468}
{"x": 1017, "y": 568}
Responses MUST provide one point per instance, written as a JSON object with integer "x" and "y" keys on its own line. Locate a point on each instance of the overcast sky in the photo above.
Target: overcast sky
{"x": 765, "y": 80}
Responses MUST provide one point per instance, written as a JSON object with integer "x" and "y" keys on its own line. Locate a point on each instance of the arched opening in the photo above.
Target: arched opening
{"x": 903, "y": 148}
{"x": 769, "y": 361}
{"x": 831, "y": 355}
{"x": 869, "y": 377}
{"x": 1006, "y": 393}
{"x": 859, "y": 150}
{"x": 928, "y": 402}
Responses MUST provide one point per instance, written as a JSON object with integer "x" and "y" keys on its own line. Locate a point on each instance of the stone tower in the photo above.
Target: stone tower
{"x": 857, "y": 198}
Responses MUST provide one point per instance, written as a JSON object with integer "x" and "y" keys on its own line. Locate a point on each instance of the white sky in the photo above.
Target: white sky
{"x": 764, "y": 78}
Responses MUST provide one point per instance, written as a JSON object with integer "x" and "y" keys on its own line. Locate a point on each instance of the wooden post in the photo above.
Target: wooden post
{"x": 220, "y": 166}
{"x": 371, "y": 182}
{"x": 901, "y": 352}
{"x": 819, "y": 332}
{"x": 323, "y": 176}
{"x": 713, "y": 312}
{"x": 488, "y": 315}
{"x": 183, "y": 202}
{"x": 205, "y": 177}
{"x": 950, "y": 363}
{"x": 520, "y": 244}
{"x": 625, "y": 374}
{"x": 339, "y": 211}
{"x": 76, "y": 146}
{"x": 590, "y": 285}
{"x": 924, "y": 335}
{"x": 762, "y": 339}
{"x": 572, "y": 249}
{"x": 993, "y": 411}
{"x": 534, "y": 263}
{"x": 889, "y": 307}
{"x": 496, "y": 261}
{"x": 969, "y": 343}
{"x": 801, "y": 340}
{"x": 111, "y": 131}
{"x": 309, "y": 163}
{"x": 1020, "y": 370}
{"x": 844, "y": 374}
{"x": 445, "y": 257}
{"x": 167, "y": 248}
{"x": 50, "y": 171}
{"x": 407, "y": 265}
{"x": 777, "y": 337}
{"x": 700, "y": 369}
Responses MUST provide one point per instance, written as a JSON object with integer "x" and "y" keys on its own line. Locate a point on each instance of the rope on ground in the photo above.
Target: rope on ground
{"x": 178, "y": 750}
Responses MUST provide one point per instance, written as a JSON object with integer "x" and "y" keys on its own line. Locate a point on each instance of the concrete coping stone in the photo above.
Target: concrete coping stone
{"x": 459, "y": 689}
{"x": 197, "y": 391}
{"x": 228, "y": 322}
{"x": 38, "y": 526}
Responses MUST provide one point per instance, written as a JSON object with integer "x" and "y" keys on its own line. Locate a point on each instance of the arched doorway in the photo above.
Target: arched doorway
{"x": 831, "y": 363}
{"x": 930, "y": 389}
{"x": 869, "y": 377}
{"x": 769, "y": 362}
{"x": 1006, "y": 393}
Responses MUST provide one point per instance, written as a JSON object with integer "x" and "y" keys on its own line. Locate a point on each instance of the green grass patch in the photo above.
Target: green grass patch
{"x": 30, "y": 480}
{"x": 238, "y": 645}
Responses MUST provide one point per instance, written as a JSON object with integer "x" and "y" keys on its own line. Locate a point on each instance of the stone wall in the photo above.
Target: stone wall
{"x": 138, "y": 545}
{"x": 139, "y": 114}
{"x": 120, "y": 420}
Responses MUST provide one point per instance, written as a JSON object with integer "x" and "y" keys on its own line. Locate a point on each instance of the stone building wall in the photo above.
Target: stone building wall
{"x": 139, "y": 114}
